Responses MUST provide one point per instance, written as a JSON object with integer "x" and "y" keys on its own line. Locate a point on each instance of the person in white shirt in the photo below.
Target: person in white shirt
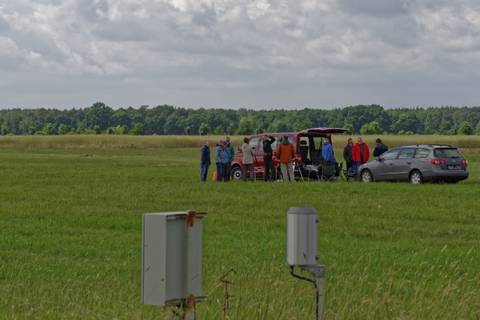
{"x": 247, "y": 160}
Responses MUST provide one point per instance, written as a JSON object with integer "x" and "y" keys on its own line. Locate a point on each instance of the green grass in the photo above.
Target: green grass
{"x": 70, "y": 220}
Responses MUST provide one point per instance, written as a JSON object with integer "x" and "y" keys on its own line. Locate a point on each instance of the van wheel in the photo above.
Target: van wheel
{"x": 416, "y": 177}
{"x": 366, "y": 176}
{"x": 236, "y": 173}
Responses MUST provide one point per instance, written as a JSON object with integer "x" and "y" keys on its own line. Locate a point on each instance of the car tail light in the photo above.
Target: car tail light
{"x": 465, "y": 162}
{"x": 438, "y": 161}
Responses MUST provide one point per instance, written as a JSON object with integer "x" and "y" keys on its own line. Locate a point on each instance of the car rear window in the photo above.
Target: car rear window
{"x": 447, "y": 153}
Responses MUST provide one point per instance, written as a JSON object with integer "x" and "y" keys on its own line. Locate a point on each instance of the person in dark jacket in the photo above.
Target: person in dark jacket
{"x": 380, "y": 148}
{"x": 347, "y": 153}
{"x": 269, "y": 171}
{"x": 204, "y": 161}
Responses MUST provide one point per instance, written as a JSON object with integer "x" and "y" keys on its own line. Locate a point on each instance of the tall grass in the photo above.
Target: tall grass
{"x": 152, "y": 142}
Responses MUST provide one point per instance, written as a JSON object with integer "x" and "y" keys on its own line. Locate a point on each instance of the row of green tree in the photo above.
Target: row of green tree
{"x": 169, "y": 120}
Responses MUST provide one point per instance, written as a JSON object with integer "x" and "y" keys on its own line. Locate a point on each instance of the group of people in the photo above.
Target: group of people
{"x": 223, "y": 154}
{"x": 359, "y": 153}
{"x": 285, "y": 154}
{"x": 353, "y": 154}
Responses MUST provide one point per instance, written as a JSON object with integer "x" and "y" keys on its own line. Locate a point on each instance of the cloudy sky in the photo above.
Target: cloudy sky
{"x": 239, "y": 53}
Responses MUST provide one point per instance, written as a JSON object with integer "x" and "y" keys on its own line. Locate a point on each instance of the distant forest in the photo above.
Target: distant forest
{"x": 168, "y": 120}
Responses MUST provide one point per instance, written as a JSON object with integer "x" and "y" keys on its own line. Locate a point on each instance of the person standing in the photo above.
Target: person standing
{"x": 204, "y": 161}
{"x": 360, "y": 153}
{"x": 231, "y": 154}
{"x": 347, "y": 153}
{"x": 286, "y": 154}
{"x": 218, "y": 160}
{"x": 327, "y": 151}
{"x": 269, "y": 171}
{"x": 247, "y": 160}
{"x": 380, "y": 148}
{"x": 225, "y": 159}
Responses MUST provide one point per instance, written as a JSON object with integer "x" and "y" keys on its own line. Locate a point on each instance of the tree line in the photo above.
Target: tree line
{"x": 169, "y": 120}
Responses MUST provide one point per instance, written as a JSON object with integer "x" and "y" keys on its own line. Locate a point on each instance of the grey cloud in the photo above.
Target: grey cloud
{"x": 239, "y": 52}
{"x": 376, "y": 8}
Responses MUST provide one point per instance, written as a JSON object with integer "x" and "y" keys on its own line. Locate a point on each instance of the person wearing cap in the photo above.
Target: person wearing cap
{"x": 286, "y": 154}
{"x": 204, "y": 161}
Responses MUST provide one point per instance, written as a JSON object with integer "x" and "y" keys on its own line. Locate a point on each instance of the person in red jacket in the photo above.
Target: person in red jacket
{"x": 360, "y": 153}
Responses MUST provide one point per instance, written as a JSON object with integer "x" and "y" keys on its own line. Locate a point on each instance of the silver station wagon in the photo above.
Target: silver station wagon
{"x": 417, "y": 164}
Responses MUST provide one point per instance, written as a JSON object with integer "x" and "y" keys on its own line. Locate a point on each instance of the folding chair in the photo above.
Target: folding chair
{"x": 311, "y": 171}
{"x": 328, "y": 171}
{"x": 297, "y": 168}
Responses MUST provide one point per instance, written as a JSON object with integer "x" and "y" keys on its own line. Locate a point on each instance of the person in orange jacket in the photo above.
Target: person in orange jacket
{"x": 286, "y": 154}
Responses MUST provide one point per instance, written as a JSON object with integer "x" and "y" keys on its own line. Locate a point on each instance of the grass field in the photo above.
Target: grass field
{"x": 70, "y": 234}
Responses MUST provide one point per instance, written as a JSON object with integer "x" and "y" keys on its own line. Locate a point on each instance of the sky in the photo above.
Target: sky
{"x": 258, "y": 54}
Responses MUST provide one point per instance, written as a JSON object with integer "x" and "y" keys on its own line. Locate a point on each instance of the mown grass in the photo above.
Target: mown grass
{"x": 71, "y": 229}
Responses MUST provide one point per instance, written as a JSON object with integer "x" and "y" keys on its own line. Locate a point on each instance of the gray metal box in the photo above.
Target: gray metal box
{"x": 171, "y": 257}
{"x": 302, "y": 236}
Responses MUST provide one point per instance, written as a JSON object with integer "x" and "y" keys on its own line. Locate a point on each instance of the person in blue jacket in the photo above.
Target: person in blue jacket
{"x": 219, "y": 155}
{"x": 327, "y": 151}
{"x": 225, "y": 160}
{"x": 328, "y": 156}
{"x": 204, "y": 161}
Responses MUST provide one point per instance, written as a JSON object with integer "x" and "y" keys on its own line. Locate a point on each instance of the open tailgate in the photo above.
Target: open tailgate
{"x": 319, "y": 132}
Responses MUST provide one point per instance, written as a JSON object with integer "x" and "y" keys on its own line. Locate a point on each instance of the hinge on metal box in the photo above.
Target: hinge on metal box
{"x": 191, "y": 218}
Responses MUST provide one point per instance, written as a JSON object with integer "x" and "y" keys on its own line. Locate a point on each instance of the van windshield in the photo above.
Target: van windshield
{"x": 447, "y": 153}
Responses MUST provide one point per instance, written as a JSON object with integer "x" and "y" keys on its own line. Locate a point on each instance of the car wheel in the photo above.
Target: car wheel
{"x": 416, "y": 177}
{"x": 366, "y": 176}
{"x": 236, "y": 173}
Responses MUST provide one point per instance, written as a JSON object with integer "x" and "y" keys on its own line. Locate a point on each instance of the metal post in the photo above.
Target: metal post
{"x": 317, "y": 272}
{"x": 189, "y": 305}
{"x": 320, "y": 298}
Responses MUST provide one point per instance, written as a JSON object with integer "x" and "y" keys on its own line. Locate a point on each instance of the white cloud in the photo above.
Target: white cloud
{"x": 238, "y": 52}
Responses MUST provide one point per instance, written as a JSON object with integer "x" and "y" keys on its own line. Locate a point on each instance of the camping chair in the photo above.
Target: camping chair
{"x": 297, "y": 170}
{"x": 311, "y": 172}
{"x": 327, "y": 171}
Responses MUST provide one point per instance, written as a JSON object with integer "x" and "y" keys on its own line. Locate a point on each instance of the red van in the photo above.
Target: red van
{"x": 307, "y": 144}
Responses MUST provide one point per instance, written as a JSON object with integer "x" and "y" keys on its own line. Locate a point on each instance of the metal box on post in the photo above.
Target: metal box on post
{"x": 171, "y": 258}
{"x": 302, "y": 236}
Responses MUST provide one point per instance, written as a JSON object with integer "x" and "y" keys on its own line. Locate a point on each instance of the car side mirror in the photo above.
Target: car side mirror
{"x": 380, "y": 159}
